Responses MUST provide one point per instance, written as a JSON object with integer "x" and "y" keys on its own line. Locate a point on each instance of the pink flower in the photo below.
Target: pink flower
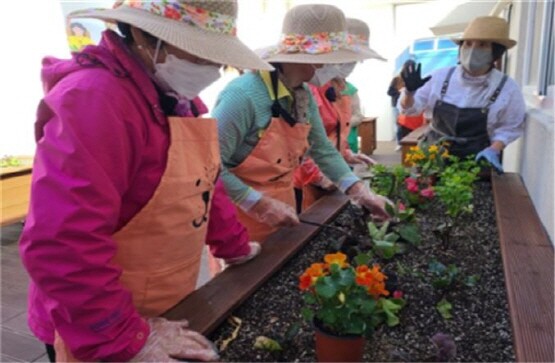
{"x": 397, "y": 294}
{"x": 402, "y": 207}
{"x": 427, "y": 193}
{"x": 412, "y": 185}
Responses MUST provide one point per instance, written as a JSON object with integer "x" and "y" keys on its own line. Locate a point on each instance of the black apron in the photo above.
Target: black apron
{"x": 464, "y": 128}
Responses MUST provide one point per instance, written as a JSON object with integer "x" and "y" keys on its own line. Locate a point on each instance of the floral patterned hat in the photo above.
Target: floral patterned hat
{"x": 204, "y": 28}
{"x": 315, "y": 34}
{"x": 358, "y": 37}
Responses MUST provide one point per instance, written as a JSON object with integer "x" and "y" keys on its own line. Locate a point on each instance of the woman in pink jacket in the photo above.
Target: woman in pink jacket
{"x": 123, "y": 179}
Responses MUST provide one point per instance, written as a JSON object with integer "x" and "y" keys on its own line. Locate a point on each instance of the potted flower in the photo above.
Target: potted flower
{"x": 346, "y": 303}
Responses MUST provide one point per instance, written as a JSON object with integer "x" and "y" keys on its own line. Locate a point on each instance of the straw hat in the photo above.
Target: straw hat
{"x": 204, "y": 28}
{"x": 314, "y": 34}
{"x": 359, "y": 37}
{"x": 490, "y": 28}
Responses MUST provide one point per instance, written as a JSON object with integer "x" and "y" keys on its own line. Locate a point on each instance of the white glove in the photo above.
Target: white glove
{"x": 171, "y": 339}
{"x": 325, "y": 183}
{"x": 362, "y": 196}
{"x": 358, "y": 158}
{"x": 274, "y": 213}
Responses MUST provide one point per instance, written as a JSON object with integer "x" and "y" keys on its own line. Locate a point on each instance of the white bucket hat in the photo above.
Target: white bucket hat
{"x": 489, "y": 28}
{"x": 204, "y": 28}
{"x": 314, "y": 34}
{"x": 358, "y": 37}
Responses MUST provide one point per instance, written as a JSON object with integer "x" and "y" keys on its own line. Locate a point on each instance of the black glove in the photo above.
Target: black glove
{"x": 413, "y": 80}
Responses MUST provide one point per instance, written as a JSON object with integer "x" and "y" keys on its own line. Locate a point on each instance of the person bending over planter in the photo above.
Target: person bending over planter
{"x": 336, "y": 112}
{"x": 477, "y": 108}
{"x": 122, "y": 182}
{"x": 267, "y": 121}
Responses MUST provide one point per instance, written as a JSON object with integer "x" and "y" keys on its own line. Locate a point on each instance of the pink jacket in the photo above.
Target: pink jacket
{"x": 102, "y": 141}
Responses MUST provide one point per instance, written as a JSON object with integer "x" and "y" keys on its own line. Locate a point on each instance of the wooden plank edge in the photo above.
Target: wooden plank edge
{"x": 533, "y": 339}
{"x": 207, "y": 307}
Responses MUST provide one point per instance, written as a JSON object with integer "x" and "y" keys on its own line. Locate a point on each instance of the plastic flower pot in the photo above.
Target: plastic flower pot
{"x": 334, "y": 348}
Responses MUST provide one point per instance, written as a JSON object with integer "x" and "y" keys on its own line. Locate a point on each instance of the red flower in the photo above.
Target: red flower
{"x": 402, "y": 207}
{"x": 412, "y": 185}
{"x": 427, "y": 193}
{"x": 397, "y": 294}
{"x": 171, "y": 13}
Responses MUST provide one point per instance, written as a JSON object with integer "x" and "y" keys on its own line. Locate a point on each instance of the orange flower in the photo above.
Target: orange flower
{"x": 336, "y": 258}
{"x": 316, "y": 270}
{"x": 305, "y": 281}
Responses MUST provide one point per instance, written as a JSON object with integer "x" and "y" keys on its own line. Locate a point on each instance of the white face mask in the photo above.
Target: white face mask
{"x": 185, "y": 78}
{"x": 475, "y": 59}
{"x": 346, "y": 69}
{"x": 324, "y": 75}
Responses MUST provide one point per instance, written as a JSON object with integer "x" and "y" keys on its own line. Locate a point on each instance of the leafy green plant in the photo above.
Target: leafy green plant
{"x": 347, "y": 299}
{"x": 428, "y": 158}
{"x": 404, "y": 220}
{"x": 383, "y": 242}
{"x": 388, "y": 180}
{"x": 455, "y": 191}
{"x": 445, "y": 277}
{"x": 444, "y": 307}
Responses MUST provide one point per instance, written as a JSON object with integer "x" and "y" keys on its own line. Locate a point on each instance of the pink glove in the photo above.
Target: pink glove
{"x": 324, "y": 182}
{"x": 358, "y": 158}
{"x": 362, "y": 196}
{"x": 171, "y": 339}
{"x": 274, "y": 213}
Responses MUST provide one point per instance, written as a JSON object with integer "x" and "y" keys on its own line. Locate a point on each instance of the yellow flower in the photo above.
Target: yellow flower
{"x": 433, "y": 149}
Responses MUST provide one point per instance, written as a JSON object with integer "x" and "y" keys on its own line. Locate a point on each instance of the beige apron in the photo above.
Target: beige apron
{"x": 160, "y": 248}
{"x": 269, "y": 168}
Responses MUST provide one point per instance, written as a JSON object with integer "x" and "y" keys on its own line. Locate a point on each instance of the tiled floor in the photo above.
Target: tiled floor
{"x": 18, "y": 344}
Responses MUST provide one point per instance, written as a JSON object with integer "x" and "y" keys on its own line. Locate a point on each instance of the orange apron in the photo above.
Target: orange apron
{"x": 341, "y": 112}
{"x": 160, "y": 248}
{"x": 269, "y": 168}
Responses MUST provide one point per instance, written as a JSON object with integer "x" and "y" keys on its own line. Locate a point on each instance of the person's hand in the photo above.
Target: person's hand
{"x": 274, "y": 213}
{"x": 492, "y": 156}
{"x": 324, "y": 182}
{"x": 412, "y": 78}
{"x": 358, "y": 158}
{"x": 362, "y": 196}
{"x": 171, "y": 340}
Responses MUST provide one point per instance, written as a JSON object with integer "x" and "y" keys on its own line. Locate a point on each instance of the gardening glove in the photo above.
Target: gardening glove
{"x": 170, "y": 340}
{"x": 362, "y": 196}
{"x": 358, "y": 158}
{"x": 492, "y": 156}
{"x": 413, "y": 80}
{"x": 324, "y": 182}
{"x": 274, "y": 213}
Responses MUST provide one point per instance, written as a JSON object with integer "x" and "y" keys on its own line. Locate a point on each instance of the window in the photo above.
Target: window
{"x": 423, "y": 45}
{"x": 445, "y": 43}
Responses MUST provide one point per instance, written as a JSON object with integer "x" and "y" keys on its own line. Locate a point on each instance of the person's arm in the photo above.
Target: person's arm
{"x": 509, "y": 123}
{"x": 84, "y": 163}
{"x": 236, "y": 116}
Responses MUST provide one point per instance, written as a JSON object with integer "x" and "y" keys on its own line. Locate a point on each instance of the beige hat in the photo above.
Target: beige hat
{"x": 204, "y": 28}
{"x": 313, "y": 34}
{"x": 490, "y": 28}
{"x": 359, "y": 37}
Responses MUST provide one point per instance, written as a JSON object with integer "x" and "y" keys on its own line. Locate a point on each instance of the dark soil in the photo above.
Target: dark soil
{"x": 479, "y": 325}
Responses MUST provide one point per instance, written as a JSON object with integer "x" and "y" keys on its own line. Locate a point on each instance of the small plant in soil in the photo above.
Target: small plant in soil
{"x": 345, "y": 299}
{"x": 455, "y": 192}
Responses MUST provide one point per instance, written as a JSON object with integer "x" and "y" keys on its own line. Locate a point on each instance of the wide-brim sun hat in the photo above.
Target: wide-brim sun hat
{"x": 313, "y": 34}
{"x": 358, "y": 37}
{"x": 204, "y": 28}
{"x": 489, "y": 28}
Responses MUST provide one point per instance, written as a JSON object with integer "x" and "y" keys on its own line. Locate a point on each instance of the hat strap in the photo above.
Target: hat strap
{"x": 188, "y": 14}
{"x": 316, "y": 43}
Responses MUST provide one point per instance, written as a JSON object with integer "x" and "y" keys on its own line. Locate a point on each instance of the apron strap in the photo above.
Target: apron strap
{"x": 446, "y": 82}
{"x": 496, "y": 92}
{"x": 277, "y": 109}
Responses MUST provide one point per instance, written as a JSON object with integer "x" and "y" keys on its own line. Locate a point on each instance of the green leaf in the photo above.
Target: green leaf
{"x": 367, "y": 306}
{"x": 444, "y": 307}
{"x": 391, "y": 308}
{"x": 324, "y": 288}
{"x": 267, "y": 344}
{"x": 309, "y": 299}
{"x": 471, "y": 280}
{"x": 362, "y": 258}
{"x": 307, "y": 314}
{"x": 436, "y": 267}
{"x": 410, "y": 233}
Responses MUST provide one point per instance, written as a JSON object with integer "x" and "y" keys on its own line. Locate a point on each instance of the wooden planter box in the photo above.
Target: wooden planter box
{"x": 15, "y": 182}
{"x": 527, "y": 260}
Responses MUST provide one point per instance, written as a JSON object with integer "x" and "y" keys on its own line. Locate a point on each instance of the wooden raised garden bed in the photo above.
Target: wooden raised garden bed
{"x": 527, "y": 268}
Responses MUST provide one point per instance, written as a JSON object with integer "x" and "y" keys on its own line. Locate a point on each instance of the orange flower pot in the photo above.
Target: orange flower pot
{"x": 333, "y": 348}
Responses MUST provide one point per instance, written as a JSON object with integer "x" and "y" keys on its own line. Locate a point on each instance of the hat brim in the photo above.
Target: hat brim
{"x": 372, "y": 54}
{"x": 216, "y": 47}
{"x": 342, "y": 55}
{"x": 507, "y": 43}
